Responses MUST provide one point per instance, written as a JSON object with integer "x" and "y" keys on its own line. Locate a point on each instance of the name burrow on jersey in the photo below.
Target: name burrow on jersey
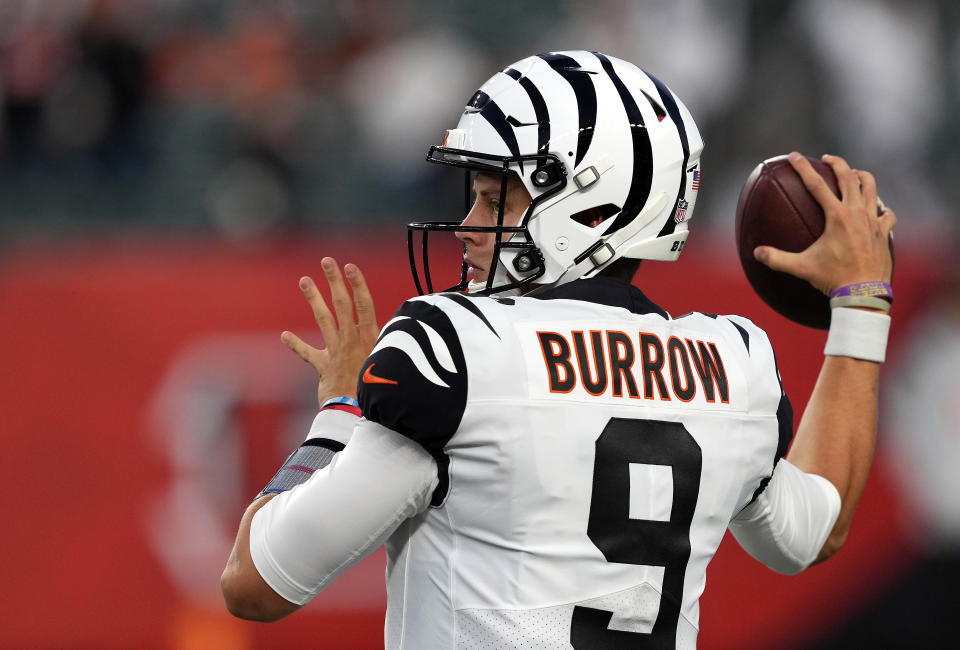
{"x": 609, "y": 364}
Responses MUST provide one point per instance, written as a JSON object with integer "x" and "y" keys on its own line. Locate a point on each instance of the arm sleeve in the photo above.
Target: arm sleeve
{"x": 333, "y": 425}
{"x": 305, "y": 538}
{"x": 788, "y": 523}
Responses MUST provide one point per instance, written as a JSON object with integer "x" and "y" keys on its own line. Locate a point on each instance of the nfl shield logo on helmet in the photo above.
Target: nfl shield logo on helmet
{"x": 681, "y": 211}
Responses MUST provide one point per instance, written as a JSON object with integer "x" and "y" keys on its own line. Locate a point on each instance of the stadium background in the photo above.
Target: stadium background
{"x": 169, "y": 169}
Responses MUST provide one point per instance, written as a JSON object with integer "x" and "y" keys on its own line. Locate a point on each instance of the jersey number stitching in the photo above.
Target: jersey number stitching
{"x": 635, "y": 541}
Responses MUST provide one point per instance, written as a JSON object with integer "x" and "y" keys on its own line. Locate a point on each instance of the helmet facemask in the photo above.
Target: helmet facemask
{"x": 516, "y": 260}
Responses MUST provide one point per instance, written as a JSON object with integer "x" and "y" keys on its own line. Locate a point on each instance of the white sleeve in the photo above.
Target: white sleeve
{"x": 333, "y": 425}
{"x": 787, "y": 525}
{"x": 305, "y": 538}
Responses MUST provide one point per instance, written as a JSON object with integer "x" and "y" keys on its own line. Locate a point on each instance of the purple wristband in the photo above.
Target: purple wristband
{"x": 875, "y": 289}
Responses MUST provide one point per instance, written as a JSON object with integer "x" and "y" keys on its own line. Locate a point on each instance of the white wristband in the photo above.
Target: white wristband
{"x": 857, "y": 333}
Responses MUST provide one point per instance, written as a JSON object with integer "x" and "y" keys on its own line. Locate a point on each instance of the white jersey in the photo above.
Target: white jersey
{"x": 591, "y": 452}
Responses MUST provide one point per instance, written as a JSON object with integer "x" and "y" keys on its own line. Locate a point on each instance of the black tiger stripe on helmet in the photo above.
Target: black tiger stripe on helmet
{"x": 642, "y": 152}
{"x": 491, "y": 112}
{"x": 582, "y": 83}
{"x": 539, "y": 107}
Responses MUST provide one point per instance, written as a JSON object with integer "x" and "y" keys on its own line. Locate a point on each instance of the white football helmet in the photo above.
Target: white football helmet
{"x": 586, "y": 133}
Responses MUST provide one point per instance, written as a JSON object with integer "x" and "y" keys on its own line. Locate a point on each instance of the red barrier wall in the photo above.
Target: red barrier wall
{"x": 146, "y": 397}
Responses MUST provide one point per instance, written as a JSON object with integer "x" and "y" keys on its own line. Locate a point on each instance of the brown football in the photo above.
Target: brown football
{"x": 775, "y": 209}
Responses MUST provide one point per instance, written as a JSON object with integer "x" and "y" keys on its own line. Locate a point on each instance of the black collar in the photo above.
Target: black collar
{"x": 605, "y": 291}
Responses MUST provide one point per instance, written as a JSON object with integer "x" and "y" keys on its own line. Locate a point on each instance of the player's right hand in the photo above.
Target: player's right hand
{"x": 347, "y": 342}
{"x": 854, "y": 245}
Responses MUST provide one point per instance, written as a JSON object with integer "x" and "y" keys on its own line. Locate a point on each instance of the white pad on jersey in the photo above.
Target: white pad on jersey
{"x": 787, "y": 525}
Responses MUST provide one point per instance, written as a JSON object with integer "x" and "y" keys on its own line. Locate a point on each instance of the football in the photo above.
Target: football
{"x": 775, "y": 209}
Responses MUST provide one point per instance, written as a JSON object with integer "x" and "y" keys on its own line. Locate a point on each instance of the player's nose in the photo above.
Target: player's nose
{"x": 470, "y": 237}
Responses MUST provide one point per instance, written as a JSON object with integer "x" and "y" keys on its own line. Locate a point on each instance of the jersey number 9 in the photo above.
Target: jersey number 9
{"x": 637, "y": 541}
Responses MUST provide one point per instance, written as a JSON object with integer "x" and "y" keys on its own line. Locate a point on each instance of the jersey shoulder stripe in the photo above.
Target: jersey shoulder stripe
{"x": 470, "y": 304}
{"x": 415, "y": 380}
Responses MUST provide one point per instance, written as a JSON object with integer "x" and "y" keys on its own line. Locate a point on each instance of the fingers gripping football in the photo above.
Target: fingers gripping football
{"x": 347, "y": 340}
{"x": 853, "y": 247}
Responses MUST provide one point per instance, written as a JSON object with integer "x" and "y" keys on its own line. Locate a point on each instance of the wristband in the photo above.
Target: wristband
{"x": 348, "y": 404}
{"x": 351, "y": 401}
{"x": 858, "y": 334}
{"x": 875, "y": 289}
{"x": 860, "y": 301}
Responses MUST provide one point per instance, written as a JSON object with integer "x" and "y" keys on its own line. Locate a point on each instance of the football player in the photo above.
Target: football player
{"x": 550, "y": 458}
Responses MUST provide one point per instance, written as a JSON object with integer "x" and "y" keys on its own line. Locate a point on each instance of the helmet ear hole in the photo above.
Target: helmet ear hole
{"x": 593, "y": 217}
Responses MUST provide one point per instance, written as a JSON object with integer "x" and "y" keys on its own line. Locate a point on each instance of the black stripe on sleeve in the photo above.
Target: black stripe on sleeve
{"x": 784, "y": 431}
{"x": 326, "y": 443}
{"x": 784, "y": 425}
{"x": 743, "y": 334}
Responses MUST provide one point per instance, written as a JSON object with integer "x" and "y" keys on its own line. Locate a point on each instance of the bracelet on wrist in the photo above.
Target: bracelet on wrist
{"x": 874, "y": 295}
{"x": 874, "y": 289}
{"x": 347, "y": 404}
{"x": 860, "y": 301}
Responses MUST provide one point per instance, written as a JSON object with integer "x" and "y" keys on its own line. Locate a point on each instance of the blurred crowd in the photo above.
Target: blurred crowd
{"x": 242, "y": 117}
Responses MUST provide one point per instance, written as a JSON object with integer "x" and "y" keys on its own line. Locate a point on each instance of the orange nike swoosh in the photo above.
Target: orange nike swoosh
{"x": 370, "y": 378}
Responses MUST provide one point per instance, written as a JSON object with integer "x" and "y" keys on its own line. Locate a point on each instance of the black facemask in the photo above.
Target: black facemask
{"x": 547, "y": 172}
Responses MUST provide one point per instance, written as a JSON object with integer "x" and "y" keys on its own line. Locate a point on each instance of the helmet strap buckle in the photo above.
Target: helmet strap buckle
{"x": 599, "y": 254}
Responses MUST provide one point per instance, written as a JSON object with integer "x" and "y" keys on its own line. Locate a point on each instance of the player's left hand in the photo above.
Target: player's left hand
{"x": 347, "y": 341}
